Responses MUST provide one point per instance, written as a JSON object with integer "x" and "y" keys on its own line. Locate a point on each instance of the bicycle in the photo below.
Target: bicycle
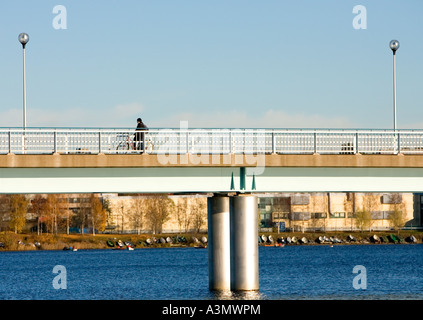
{"x": 129, "y": 144}
{"x": 126, "y": 144}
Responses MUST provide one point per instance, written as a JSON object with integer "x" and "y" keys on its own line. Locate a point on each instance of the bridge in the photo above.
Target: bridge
{"x": 70, "y": 160}
{"x": 233, "y": 164}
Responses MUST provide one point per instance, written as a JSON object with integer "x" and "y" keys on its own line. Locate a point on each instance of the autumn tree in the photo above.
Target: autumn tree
{"x": 4, "y": 210}
{"x": 198, "y": 210}
{"x": 159, "y": 208}
{"x": 363, "y": 217}
{"x": 54, "y": 209}
{"x": 182, "y": 213}
{"x": 97, "y": 213}
{"x": 397, "y": 216}
{"x": 18, "y": 210}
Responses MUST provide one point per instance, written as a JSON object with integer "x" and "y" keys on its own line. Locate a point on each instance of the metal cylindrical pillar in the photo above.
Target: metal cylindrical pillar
{"x": 244, "y": 244}
{"x": 218, "y": 242}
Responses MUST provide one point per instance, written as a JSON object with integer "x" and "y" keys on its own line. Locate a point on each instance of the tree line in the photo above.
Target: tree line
{"x": 52, "y": 212}
{"x": 57, "y": 213}
{"x": 152, "y": 212}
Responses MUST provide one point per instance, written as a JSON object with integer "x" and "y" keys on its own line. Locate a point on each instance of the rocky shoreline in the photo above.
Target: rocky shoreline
{"x": 349, "y": 239}
{"x": 24, "y": 242}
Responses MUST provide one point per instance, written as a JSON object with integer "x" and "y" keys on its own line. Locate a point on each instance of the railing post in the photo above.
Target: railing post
{"x": 99, "y": 141}
{"x": 315, "y": 142}
{"x": 10, "y": 141}
{"x": 273, "y": 142}
{"x": 55, "y": 141}
{"x": 399, "y": 143}
{"x": 231, "y": 150}
{"x": 356, "y": 143}
{"x": 187, "y": 143}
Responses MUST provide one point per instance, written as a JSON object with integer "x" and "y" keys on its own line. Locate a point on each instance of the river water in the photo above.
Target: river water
{"x": 291, "y": 272}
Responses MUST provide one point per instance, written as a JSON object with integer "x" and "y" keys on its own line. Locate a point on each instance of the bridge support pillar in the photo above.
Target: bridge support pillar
{"x": 218, "y": 242}
{"x": 244, "y": 243}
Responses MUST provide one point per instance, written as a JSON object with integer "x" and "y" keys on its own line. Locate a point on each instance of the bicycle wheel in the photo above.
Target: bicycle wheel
{"x": 122, "y": 146}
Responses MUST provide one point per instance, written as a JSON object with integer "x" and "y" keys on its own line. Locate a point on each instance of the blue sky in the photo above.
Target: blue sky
{"x": 220, "y": 63}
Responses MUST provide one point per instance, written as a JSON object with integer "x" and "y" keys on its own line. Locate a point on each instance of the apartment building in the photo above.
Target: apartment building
{"x": 337, "y": 211}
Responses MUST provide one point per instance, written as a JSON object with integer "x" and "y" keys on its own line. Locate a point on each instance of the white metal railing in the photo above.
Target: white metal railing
{"x": 210, "y": 141}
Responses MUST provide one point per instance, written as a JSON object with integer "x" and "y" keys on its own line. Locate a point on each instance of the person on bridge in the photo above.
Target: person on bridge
{"x": 139, "y": 137}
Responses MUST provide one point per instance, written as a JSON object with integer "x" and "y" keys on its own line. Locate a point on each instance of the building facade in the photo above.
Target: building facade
{"x": 337, "y": 211}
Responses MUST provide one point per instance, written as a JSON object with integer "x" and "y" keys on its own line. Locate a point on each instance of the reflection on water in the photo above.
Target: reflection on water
{"x": 237, "y": 295}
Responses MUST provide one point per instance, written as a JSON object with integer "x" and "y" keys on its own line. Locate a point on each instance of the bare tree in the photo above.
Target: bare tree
{"x": 54, "y": 208}
{"x": 318, "y": 206}
{"x": 81, "y": 213}
{"x": 349, "y": 207}
{"x": 38, "y": 208}
{"x": 137, "y": 213}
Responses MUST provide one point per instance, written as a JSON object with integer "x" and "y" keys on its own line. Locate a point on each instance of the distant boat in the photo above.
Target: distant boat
{"x": 336, "y": 240}
{"x": 264, "y": 238}
{"x": 110, "y": 243}
{"x": 351, "y": 238}
{"x": 70, "y": 249}
{"x": 200, "y": 247}
{"x": 393, "y": 238}
{"x": 304, "y": 240}
{"x": 129, "y": 248}
{"x": 280, "y": 240}
{"x": 411, "y": 239}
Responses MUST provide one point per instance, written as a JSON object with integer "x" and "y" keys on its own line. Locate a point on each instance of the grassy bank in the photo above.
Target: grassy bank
{"x": 10, "y": 241}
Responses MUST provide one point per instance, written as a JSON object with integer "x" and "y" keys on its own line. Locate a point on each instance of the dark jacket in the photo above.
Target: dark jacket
{"x": 139, "y": 136}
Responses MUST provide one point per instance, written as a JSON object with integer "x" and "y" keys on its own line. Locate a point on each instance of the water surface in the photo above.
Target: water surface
{"x": 292, "y": 272}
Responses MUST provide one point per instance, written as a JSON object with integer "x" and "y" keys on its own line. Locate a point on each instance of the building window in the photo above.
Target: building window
{"x": 319, "y": 215}
{"x": 300, "y": 216}
{"x": 337, "y": 215}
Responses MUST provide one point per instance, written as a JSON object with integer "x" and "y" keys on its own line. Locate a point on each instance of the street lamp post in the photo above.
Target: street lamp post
{"x": 23, "y": 39}
{"x": 394, "y": 45}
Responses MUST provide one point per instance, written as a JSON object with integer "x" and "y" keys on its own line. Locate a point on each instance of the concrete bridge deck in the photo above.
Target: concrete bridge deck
{"x": 206, "y": 160}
